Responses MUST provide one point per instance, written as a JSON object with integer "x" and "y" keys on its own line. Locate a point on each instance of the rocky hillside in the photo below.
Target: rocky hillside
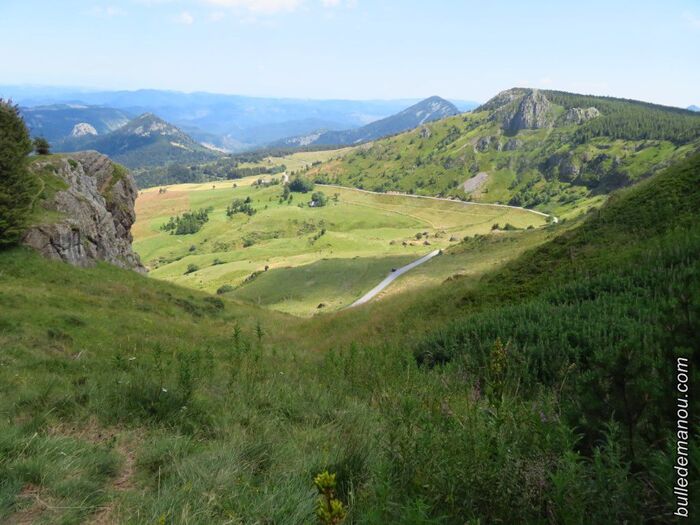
{"x": 146, "y": 140}
{"x": 428, "y": 110}
{"x": 85, "y": 211}
{"x": 554, "y": 151}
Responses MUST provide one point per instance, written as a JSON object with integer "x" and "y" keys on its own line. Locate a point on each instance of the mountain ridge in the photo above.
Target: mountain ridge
{"x": 549, "y": 150}
{"x": 146, "y": 140}
{"x": 235, "y": 122}
{"x": 57, "y": 122}
{"x": 427, "y": 110}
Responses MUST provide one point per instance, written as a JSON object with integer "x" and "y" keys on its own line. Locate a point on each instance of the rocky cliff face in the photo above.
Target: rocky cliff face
{"x": 90, "y": 219}
{"x": 534, "y": 112}
{"x": 519, "y": 109}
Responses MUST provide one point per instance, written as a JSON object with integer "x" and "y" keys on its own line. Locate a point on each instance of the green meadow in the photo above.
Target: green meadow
{"x": 299, "y": 259}
{"x": 540, "y": 389}
{"x": 299, "y": 160}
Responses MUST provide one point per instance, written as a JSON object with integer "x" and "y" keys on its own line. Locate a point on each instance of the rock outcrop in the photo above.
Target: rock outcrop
{"x": 533, "y": 113}
{"x": 580, "y": 115}
{"x": 512, "y": 144}
{"x": 90, "y": 218}
{"x": 519, "y": 109}
{"x": 82, "y": 129}
{"x": 483, "y": 144}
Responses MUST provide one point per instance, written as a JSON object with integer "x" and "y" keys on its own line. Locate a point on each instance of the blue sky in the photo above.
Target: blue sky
{"x": 357, "y": 49}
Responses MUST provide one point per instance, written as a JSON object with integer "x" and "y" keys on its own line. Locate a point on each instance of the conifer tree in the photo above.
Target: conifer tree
{"x": 17, "y": 185}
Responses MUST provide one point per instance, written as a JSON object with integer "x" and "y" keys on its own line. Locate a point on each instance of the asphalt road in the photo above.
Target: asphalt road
{"x": 392, "y": 276}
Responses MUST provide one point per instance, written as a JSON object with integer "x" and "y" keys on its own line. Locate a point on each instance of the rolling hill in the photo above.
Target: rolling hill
{"x": 144, "y": 141}
{"x": 554, "y": 151}
{"x": 428, "y": 110}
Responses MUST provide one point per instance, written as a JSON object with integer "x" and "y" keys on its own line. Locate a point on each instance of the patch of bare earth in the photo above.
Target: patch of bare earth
{"x": 30, "y": 495}
{"x": 476, "y": 182}
{"x": 122, "y": 483}
{"x": 124, "y": 445}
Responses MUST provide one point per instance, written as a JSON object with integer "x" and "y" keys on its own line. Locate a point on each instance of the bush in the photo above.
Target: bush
{"x": 226, "y": 288}
{"x": 241, "y": 206}
{"x": 191, "y": 268}
{"x": 319, "y": 199}
{"x": 300, "y": 185}
{"x": 42, "y": 146}
{"x": 188, "y": 223}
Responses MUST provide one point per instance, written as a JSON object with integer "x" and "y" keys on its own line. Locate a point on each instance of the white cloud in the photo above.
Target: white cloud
{"x": 350, "y": 4}
{"x": 266, "y": 7}
{"x": 153, "y": 2}
{"x": 185, "y": 18}
{"x": 109, "y": 11}
{"x": 216, "y": 16}
{"x": 693, "y": 20}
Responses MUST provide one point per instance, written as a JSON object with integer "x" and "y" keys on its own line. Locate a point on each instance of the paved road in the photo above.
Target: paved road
{"x": 391, "y": 277}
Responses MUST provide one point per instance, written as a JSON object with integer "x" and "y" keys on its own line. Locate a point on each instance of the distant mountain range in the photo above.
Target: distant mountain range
{"x": 144, "y": 141}
{"x": 232, "y": 122}
{"x": 694, "y": 108}
{"x": 428, "y": 110}
{"x": 57, "y": 122}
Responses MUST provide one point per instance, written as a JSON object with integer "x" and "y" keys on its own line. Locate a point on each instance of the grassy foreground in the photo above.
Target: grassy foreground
{"x": 541, "y": 393}
{"x": 326, "y": 256}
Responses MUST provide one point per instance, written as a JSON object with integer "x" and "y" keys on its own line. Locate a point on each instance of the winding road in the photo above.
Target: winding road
{"x": 400, "y": 271}
{"x": 554, "y": 219}
{"x": 392, "y": 276}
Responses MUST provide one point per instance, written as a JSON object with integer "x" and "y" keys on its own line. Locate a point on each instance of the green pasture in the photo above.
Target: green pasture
{"x": 292, "y": 257}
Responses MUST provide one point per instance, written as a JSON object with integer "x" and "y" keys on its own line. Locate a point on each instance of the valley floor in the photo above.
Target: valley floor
{"x": 293, "y": 257}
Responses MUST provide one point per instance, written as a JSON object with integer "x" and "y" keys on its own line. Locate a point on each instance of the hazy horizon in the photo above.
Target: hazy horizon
{"x": 354, "y": 49}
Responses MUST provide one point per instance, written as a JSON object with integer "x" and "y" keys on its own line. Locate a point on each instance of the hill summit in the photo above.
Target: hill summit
{"x": 554, "y": 151}
{"x": 146, "y": 140}
{"x": 428, "y": 110}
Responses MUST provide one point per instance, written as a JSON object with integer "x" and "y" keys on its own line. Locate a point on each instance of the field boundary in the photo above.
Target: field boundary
{"x": 457, "y": 201}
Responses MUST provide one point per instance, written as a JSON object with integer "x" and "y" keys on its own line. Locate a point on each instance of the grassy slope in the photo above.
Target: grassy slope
{"x": 66, "y": 334}
{"x": 300, "y": 160}
{"x": 137, "y": 401}
{"x": 364, "y": 233}
{"x": 233, "y": 166}
{"x": 440, "y": 163}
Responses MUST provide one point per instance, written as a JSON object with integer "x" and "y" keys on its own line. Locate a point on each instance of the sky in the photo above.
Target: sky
{"x": 357, "y": 49}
